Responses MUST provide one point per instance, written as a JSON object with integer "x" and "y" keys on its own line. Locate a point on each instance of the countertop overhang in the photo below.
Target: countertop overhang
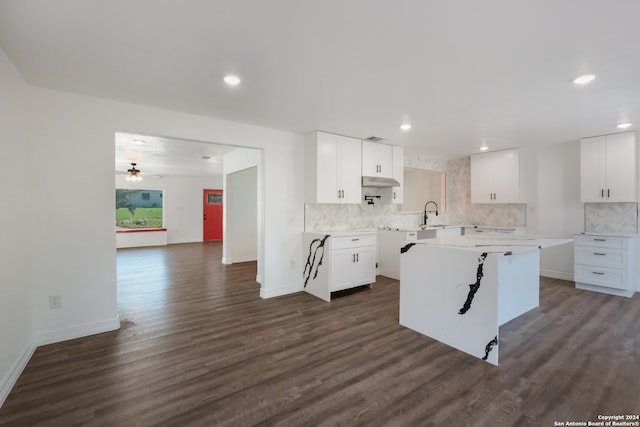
{"x": 495, "y": 244}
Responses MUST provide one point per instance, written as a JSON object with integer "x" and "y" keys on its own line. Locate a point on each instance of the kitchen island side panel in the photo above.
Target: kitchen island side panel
{"x": 317, "y": 265}
{"x": 451, "y": 295}
{"x": 518, "y": 284}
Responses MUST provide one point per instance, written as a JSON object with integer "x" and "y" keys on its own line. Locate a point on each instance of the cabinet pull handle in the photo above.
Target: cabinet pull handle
{"x": 602, "y": 193}
{"x": 357, "y": 257}
{"x": 608, "y": 192}
{"x": 355, "y": 240}
{"x": 598, "y": 253}
{"x": 394, "y": 195}
{"x": 597, "y": 272}
{"x": 354, "y": 257}
{"x": 599, "y": 240}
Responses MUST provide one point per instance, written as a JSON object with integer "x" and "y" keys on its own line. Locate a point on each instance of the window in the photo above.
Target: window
{"x": 214, "y": 199}
{"x": 138, "y": 208}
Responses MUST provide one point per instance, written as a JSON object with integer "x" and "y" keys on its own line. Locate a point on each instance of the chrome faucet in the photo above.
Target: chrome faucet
{"x": 425, "y": 211}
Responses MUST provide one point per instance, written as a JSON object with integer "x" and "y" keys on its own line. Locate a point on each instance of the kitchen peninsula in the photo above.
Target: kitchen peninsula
{"x": 459, "y": 290}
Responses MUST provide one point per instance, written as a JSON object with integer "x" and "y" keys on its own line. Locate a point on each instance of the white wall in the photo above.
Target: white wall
{"x": 242, "y": 221}
{"x": 235, "y": 161}
{"x": 16, "y": 292}
{"x": 182, "y": 203}
{"x": 72, "y": 141}
{"x": 553, "y": 202}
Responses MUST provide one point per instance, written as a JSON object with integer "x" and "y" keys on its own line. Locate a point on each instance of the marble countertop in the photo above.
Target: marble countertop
{"x": 431, "y": 227}
{"x": 498, "y": 244}
{"x": 338, "y": 233}
{"x": 589, "y": 233}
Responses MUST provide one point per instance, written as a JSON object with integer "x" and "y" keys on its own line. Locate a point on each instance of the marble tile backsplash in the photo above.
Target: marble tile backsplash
{"x": 611, "y": 217}
{"x": 599, "y": 217}
{"x": 459, "y": 209}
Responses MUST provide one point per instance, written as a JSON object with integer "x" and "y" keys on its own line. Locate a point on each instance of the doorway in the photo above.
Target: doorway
{"x": 212, "y": 211}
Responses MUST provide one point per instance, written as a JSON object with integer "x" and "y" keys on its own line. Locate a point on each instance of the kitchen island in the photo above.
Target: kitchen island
{"x": 459, "y": 290}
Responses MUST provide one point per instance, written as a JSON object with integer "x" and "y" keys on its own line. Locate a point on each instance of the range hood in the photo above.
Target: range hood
{"x": 379, "y": 182}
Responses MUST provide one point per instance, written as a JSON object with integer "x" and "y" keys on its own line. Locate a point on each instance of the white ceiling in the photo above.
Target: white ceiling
{"x": 460, "y": 71}
{"x": 166, "y": 156}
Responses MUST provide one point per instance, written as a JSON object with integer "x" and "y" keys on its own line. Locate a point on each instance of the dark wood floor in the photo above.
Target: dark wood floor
{"x": 199, "y": 347}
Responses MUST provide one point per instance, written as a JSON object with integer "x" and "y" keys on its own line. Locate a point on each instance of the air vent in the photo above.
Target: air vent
{"x": 375, "y": 139}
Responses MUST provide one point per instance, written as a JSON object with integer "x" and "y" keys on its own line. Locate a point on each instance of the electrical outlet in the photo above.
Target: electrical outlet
{"x": 55, "y": 301}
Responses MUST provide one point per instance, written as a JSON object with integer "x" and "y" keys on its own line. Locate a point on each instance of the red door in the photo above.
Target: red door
{"x": 212, "y": 214}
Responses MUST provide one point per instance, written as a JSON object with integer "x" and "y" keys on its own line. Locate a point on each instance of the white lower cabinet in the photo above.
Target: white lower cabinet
{"x": 604, "y": 263}
{"x": 337, "y": 262}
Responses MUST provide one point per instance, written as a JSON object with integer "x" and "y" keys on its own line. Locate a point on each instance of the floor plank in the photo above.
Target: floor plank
{"x": 198, "y": 346}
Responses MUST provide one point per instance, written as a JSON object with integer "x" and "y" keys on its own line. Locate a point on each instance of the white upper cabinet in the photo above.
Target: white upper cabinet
{"x": 332, "y": 169}
{"x": 608, "y": 168}
{"x": 495, "y": 177}
{"x": 398, "y": 175}
{"x": 394, "y": 195}
{"x": 377, "y": 159}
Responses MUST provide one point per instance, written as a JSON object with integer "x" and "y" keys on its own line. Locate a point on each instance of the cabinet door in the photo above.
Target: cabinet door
{"x": 621, "y": 168}
{"x": 592, "y": 169}
{"x": 398, "y": 174}
{"x": 364, "y": 271}
{"x": 369, "y": 158}
{"x": 350, "y": 169}
{"x": 327, "y": 168}
{"x": 506, "y": 176}
{"x": 343, "y": 265}
{"x": 481, "y": 179}
{"x": 385, "y": 160}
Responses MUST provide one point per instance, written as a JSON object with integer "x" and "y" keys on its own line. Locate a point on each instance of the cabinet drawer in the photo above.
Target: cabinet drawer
{"x": 353, "y": 241}
{"x": 601, "y": 241}
{"x": 602, "y": 276}
{"x": 411, "y": 236}
{"x": 601, "y": 257}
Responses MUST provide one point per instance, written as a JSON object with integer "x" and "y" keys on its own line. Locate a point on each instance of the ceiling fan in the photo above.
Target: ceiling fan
{"x": 135, "y": 175}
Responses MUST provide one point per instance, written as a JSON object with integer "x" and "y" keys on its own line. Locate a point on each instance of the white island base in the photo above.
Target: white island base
{"x": 459, "y": 291}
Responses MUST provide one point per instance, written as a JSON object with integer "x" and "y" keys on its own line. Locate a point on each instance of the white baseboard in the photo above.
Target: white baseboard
{"x": 557, "y": 275}
{"x": 605, "y": 290}
{"x": 64, "y": 334}
{"x": 10, "y": 378}
{"x": 281, "y": 290}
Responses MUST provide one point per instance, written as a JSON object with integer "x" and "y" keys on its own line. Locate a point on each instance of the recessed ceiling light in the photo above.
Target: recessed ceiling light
{"x": 205, "y": 157}
{"x": 232, "y": 80}
{"x": 138, "y": 141}
{"x": 484, "y": 148}
{"x": 584, "y": 79}
{"x": 623, "y": 125}
{"x": 405, "y": 126}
